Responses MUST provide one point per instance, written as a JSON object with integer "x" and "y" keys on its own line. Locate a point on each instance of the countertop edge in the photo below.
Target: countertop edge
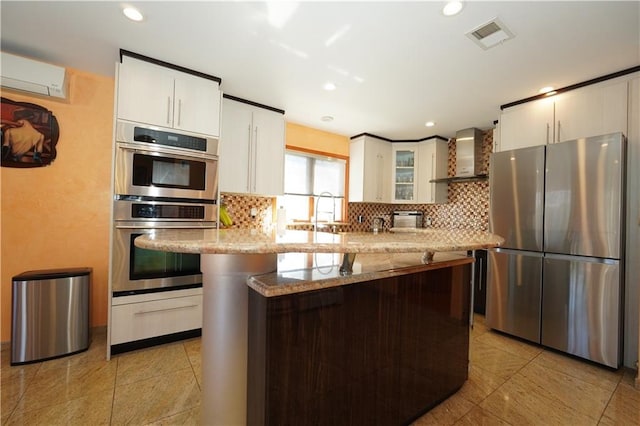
{"x": 247, "y": 242}
{"x": 259, "y": 283}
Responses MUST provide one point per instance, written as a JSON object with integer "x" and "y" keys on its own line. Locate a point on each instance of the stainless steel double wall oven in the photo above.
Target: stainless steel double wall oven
{"x": 163, "y": 179}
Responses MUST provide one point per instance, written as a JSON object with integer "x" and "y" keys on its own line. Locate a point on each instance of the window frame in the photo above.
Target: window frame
{"x": 295, "y": 150}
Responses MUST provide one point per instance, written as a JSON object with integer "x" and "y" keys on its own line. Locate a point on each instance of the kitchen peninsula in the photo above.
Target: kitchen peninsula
{"x": 381, "y": 338}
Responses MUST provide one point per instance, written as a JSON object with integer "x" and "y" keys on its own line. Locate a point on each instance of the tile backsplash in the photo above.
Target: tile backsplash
{"x": 239, "y": 208}
{"x": 467, "y": 206}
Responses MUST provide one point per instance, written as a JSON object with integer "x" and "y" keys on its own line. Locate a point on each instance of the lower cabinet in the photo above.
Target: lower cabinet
{"x": 145, "y": 316}
{"x": 381, "y": 352}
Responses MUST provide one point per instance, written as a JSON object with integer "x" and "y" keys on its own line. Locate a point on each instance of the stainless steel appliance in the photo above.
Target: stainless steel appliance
{"x": 407, "y": 219}
{"x": 136, "y": 270}
{"x": 558, "y": 279}
{"x": 469, "y": 152}
{"x": 156, "y": 162}
{"x": 50, "y": 314}
{"x": 163, "y": 178}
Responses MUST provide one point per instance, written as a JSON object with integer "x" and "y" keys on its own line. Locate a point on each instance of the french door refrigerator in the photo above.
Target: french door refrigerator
{"x": 558, "y": 278}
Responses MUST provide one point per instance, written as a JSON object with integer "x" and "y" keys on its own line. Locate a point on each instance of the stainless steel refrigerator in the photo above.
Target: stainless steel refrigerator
{"x": 558, "y": 278}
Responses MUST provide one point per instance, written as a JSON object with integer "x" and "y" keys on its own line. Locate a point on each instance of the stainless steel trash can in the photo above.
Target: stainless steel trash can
{"x": 50, "y": 314}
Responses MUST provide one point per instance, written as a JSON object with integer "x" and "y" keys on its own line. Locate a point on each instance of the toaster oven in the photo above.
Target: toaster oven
{"x": 407, "y": 219}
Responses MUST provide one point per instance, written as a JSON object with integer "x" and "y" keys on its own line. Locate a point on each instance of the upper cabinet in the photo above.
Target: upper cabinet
{"x": 161, "y": 96}
{"x": 405, "y": 172}
{"x": 252, "y": 149}
{"x": 433, "y": 159}
{"x": 369, "y": 170}
{"x": 384, "y": 172}
{"x": 415, "y": 166}
{"x": 589, "y": 111}
{"x": 525, "y": 125}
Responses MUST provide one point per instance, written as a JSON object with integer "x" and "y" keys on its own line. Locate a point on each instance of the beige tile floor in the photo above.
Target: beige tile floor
{"x": 510, "y": 383}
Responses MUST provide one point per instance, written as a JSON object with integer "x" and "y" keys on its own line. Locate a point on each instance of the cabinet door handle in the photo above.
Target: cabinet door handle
{"x": 255, "y": 160}
{"x": 558, "y": 134}
{"x": 547, "y": 142}
{"x": 249, "y": 158}
{"x": 480, "y": 275}
{"x": 377, "y": 178}
{"x": 179, "y": 110}
{"x": 433, "y": 176}
{"x": 164, "y": 309}
{"x": 168, "y": 110}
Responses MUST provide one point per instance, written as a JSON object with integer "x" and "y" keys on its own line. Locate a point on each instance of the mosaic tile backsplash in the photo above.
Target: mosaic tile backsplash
{"x": 239, "y": 208}
{"x": 467, "y": 206}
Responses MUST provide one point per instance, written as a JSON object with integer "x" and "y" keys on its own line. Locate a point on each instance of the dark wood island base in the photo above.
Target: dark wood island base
{"x": 381, "y": 352}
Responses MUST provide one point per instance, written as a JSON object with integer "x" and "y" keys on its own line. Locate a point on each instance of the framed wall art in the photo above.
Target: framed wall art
{"x": 29, "y": 135}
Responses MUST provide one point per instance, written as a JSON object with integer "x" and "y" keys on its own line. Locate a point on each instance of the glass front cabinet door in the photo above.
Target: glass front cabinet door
{"x": 404, "y": 173}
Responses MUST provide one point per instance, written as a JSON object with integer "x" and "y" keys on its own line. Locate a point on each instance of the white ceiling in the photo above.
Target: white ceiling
{"x": 396, "y": 64}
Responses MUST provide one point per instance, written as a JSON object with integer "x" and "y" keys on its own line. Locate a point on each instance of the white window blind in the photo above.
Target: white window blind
{"x": 307, "y": 175}
{"x": 311, "y": 175}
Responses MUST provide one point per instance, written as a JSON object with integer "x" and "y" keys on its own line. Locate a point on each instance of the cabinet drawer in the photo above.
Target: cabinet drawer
{"x": 135, "y": 321}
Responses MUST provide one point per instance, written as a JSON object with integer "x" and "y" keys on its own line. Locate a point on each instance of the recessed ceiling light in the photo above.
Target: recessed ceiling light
{"x": 329, "y": 86}
{"x": 430, "y": 124}
{"x": 279, "y": 12}
{"x": 133, "y": 14}
{"x": 326, "y": 118}
{"x": 547, "y": 91}
{"x": 452, "y": 8}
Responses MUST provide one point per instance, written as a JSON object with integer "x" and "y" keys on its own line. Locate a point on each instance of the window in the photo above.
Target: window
{"x": 312, "y": 180}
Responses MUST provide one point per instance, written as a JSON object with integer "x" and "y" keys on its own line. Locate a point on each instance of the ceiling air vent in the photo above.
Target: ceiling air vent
{"x": 490, "y": 34}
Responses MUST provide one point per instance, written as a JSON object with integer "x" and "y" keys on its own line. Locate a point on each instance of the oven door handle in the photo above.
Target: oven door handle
{"x": 142, "y": 149}
{"x": 166, "y": 227}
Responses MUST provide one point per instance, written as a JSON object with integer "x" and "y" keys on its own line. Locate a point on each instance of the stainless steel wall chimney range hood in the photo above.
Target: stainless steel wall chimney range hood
{"x": 469, "y": 152}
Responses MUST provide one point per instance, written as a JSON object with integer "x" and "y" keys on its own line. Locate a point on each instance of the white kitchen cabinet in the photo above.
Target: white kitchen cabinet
{"x": 155, "y": 314}
{"x": 525, "y": 125}
{"x": 415, "y": 165}
{"x": 161, "y": 96}
{"x": 433, "y": 162}
{"x": 252, "y": 149}
{"x": 369, "y": 170}
{"x": 589, "y": 111}
{"x": 400, "y": 173}
{"x": 405, "y": 172}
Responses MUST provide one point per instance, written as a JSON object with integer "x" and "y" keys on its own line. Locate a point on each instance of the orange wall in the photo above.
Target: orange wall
{"x": 299, "y": 136}
{"x": 58, "y": 216}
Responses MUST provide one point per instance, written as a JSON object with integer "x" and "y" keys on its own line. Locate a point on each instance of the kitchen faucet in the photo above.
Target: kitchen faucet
{"x": 324, "y": 194}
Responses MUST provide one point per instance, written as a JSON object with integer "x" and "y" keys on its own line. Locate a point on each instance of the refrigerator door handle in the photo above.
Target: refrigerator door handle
{"x": 519, "y": 252}
{"x": 589, "y": 259}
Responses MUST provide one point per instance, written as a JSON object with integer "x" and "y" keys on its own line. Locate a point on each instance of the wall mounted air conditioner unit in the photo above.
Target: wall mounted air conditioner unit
{"x": 27, "y": 75}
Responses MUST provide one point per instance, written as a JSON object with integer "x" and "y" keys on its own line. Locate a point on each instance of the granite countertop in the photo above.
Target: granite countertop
{"x": 384, "y": 254}
{"x": 249, "y": 241}
{"x": 294, "y": 277}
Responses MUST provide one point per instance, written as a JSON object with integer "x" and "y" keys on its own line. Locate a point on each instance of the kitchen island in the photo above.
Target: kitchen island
{"x": 237, "y": 339}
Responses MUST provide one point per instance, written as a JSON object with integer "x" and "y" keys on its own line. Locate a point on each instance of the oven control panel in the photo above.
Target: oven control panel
{"x": 166, "y": 211}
